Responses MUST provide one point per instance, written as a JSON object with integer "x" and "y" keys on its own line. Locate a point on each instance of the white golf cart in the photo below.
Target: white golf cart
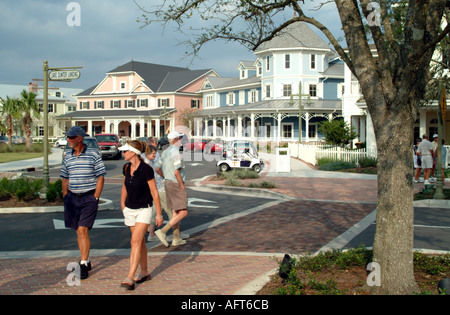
{"x": 241, "y": 154}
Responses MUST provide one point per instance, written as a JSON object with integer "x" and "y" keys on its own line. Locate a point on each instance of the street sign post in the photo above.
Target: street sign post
{"x": 65, "y": 74}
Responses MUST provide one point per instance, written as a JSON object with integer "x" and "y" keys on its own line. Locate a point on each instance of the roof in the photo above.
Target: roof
{"x": 273, "y": 106}
{"x": 159, "y": 78}
{"x": 13, "y": 91}
{"x": 227, "y": 82}
{"x": 295, "y": 35}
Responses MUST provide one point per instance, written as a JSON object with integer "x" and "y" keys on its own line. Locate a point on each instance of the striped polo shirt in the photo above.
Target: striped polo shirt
{"x": 82, "y": 171}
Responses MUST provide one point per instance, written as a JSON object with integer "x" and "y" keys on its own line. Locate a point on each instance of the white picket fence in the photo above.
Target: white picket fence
{"x": 311, "y": 153}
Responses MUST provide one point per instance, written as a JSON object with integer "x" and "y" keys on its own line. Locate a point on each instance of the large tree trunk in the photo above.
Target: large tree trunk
{"x": 394, "y": 236}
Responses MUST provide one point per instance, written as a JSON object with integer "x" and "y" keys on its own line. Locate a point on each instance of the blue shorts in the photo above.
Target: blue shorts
{"x": 80, "y": 210}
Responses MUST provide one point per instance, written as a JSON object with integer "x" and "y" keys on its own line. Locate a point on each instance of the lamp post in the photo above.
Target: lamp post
{"x": 439, "y": 194}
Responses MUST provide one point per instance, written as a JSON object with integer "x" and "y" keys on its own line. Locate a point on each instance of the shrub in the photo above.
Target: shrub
{"x": 367, "y": 162}
{"x": 337, "y": 165}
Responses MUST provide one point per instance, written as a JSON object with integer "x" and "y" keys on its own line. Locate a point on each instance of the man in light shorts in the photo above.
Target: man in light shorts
{"x": 173, "y": 167}
{"x": 426, "y": 151}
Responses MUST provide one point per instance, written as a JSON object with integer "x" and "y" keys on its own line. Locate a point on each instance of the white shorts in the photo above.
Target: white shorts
{"x": 427, "y": 161}
{"x": 133, "y": 216}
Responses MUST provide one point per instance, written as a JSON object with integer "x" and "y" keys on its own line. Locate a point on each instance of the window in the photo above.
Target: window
{"x": 313, "y": 90}
{"x": 123, "y": 86}
{"x": 287, "y": 61}
{"x": 100, "y": 104}
{"x": 143, "y": 103}
{"x": 287, "y": 89}
{"x": 129, "y": 103}
{"x": 84, "y": 105}
{"x": 50, "y": 108}
{"x": 163, "y": 102}
{"x": 312, "y": 131}
{"x": 41, "y": 131}
{"x": 209, "y": 101}
{"x": 230, "y": 98}
{"x": 195, "y": 103}
{"x": 115, "y": 104}
{"x": 268, "y": 63}
{"x": 313, "y": 61}
{"x": 58, "y": 94}
{"x": 268, "y": 92}
{"x": 287, "y": 130}
{"x": 253, "y": 96}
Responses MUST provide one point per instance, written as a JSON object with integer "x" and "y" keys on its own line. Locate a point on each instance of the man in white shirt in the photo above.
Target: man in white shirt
{"x": 426, "y": 151}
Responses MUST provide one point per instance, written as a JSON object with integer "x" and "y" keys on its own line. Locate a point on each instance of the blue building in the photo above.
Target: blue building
{"x": 263, "y": 103}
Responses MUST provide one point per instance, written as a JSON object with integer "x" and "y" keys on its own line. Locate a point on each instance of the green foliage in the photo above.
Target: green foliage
{"x": 367, "y": 162}
{"x": 337, "y": 165}
{"x": 337, "y": 132}
{"x": 24, "y": 188}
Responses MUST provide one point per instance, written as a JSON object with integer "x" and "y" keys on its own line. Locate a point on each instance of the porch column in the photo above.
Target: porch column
{"x": 157, "y": 128}
{"x": 133, "y": 129}
{"x": 228, "y": 126}
{"x": 239, "y": 125}
{"x": 149, "y": 128}
{"x": 214, "y": 127}
{"x": 307, "y": 127}
{"x": 116, "y": 127}
{"x": 89, "y": 130}
{"x": 141, "y": 127}
{"x": 252, "y": 126}
{"x": 108, "y": 126}
{"x": 279, "y": 127}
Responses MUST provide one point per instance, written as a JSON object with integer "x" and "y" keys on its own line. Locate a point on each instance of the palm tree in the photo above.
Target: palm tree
{"x": 10, "y": 110}
{"x": 29, "y": 107}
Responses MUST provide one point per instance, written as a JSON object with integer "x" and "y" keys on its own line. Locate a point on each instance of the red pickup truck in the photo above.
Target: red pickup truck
{"x": 109, "y": 145}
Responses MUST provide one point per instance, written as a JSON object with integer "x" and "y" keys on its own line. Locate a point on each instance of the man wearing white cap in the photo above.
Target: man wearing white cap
{"x": 173, "y": 167}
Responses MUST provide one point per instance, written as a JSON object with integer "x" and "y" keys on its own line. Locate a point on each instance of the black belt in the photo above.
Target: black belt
{"x": 83, "y": 194}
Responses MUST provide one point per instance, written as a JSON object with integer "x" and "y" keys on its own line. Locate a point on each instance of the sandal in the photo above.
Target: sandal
{"x": 142, "y": 278}
{"x": 128, "y": 284}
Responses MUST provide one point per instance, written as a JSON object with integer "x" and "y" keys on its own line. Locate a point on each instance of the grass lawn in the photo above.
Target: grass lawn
{"x": 17, "y": 156}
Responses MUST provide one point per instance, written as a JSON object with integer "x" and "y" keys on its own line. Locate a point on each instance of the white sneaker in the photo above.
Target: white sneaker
{"x": 162, "y": 237}
{"x": 178, "y": 242}
{"x": 427, "y": 182}
{"x": 432, "y": 179}
{"x": 415, "y": 181}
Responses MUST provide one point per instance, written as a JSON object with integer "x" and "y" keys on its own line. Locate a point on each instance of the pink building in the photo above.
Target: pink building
{"x": 139, "y": 99}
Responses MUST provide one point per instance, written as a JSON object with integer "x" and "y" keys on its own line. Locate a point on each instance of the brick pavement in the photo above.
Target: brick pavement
{"x": 221, "y": 259}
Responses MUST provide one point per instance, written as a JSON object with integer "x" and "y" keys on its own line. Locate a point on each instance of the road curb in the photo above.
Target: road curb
{"x": 105, "y": 205}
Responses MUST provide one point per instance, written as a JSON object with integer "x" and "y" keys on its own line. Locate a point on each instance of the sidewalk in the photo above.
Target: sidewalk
{"x": 308, "y": 212}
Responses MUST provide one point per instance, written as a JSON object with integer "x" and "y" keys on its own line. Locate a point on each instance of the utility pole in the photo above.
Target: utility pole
{"x": 300, "y": 108}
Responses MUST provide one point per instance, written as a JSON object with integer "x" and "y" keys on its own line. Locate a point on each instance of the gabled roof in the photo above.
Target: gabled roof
{"x": 296, "y": 35}
{"x": 159, "y": 78}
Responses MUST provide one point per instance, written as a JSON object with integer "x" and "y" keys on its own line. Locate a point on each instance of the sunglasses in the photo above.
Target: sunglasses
{"x": 71, "y": 137}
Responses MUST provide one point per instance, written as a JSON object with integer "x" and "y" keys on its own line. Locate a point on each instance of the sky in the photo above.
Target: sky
{"x": 108, "y": 36}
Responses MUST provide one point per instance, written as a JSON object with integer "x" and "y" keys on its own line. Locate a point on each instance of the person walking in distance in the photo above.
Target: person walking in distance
{"x": 139, "y": 193}
{"x": 173, "y": 167}
{"x": 152, "y": 158}
{"x": 82, "y": 175}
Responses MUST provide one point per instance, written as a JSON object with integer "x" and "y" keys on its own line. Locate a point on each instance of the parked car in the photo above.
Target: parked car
{"x": 91, "y": 142}
{"x": 109, "y": 145}
{"x": 163, "y": 141}
{"x": 214, "y": 146}
{"x": 3, "y": 139}
{"x": 199, "y": 145}
{"x": 61, "y": 142}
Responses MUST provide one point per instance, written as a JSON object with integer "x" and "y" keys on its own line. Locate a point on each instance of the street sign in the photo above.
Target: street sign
{"x": 64, "y": 75}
